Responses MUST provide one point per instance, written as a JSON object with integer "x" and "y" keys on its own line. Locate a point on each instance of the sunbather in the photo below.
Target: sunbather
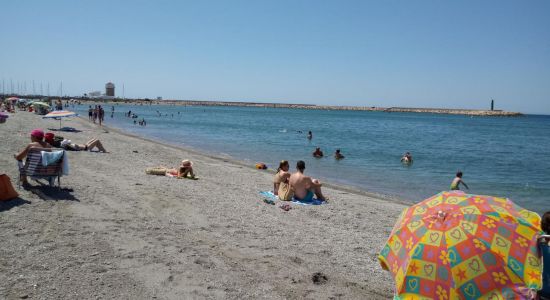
{"x": 186, "y": 168}
{"x": 37, "y": 141}
{"x": 281, "y": 176}
{"x": 305, "y": 187}
{"x": 89, "y": 146}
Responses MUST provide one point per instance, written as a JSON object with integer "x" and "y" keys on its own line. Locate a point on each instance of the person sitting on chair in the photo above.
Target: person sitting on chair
{"x": 37, "y": 141}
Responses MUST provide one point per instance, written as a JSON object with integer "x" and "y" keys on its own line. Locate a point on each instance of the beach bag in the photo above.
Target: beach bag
{"x": 285, "y": 191}
{"x": 7, "y": 191}
{"x": 156, "y": 171}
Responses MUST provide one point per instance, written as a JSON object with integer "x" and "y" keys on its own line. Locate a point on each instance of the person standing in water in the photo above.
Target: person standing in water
{"x": 457, "y": 181}
{"x": 309, "y": 135}
{"x": 338, "y": 155}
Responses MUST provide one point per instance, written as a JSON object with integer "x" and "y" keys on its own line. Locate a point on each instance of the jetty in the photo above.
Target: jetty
{"x": 146, "y": 101}
{"x": 468, "y": 112}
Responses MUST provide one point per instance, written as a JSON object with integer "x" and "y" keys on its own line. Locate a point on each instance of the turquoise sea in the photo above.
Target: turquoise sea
{"x": 508, "y": 157}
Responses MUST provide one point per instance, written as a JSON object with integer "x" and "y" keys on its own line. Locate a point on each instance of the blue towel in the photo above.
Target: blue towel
{"x": 271, "y": 196}
{"x": 49, "y": 158}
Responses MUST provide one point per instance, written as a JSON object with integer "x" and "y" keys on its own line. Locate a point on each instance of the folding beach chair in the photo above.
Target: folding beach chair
{"x": 33, "y": 168}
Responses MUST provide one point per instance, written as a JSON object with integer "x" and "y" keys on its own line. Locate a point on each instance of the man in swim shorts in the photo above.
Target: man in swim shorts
{"x": 304, "y": 187}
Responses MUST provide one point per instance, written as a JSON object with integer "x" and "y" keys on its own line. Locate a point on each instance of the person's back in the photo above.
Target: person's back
{"x": 303, "y": 186}
{"x": 455, "y": 184}
{"x": 300, "y": 184}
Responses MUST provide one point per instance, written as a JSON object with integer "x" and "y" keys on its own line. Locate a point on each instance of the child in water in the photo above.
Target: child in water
{"x": 457, "y": 181}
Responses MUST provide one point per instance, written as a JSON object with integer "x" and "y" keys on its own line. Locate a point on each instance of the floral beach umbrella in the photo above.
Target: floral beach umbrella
{"x": 461, "y": 246}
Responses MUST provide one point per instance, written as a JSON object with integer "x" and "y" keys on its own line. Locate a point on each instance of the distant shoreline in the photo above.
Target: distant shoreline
{"x": 449, "y": 111}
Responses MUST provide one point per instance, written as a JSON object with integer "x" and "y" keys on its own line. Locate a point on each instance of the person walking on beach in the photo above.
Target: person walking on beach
{"x": 94, "y": 114}
{"x": 90, "y": 112}
{"x": 305, "y": 187}
{"x": 457, "y": 181}
{"x": 100, "y": 114}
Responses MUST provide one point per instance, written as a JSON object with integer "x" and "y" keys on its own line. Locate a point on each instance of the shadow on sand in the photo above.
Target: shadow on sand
{"x": 47, "y": 192}
{"x": 7, "y": 205}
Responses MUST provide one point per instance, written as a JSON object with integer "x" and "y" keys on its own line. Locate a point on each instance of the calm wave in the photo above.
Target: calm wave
{"x": 507, "y": 157}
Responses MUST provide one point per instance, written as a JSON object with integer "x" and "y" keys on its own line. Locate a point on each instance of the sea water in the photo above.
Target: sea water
{"x": 508, "y": 157}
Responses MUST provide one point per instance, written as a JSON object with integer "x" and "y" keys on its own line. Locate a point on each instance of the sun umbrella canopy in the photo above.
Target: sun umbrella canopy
{"x": 12, "y": 99}
{"x": 60, "y": 114}
{"x": 461, "y": 246}
{"x": 40, "y": 104}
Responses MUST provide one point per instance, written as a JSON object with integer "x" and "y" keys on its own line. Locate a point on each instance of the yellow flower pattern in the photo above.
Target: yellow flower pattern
{"x": 479, "y": 244}
{"x": 522, "y": 242}
{"x": 499, "y": 277}
{"x": 489, "y": 223}
{"x": 444, "y": 256}
{"x": 409, "y": 243}
{"x": 441, "y": 293}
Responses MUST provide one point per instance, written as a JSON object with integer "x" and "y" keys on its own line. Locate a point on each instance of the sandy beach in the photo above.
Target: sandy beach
{"x": 116, "y": 233}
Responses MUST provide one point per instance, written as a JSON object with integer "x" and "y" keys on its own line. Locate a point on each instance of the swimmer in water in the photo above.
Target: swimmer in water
{"x": 338, "y": 155}
{"x": 407, "y": 158}
{"x": 457, "y": 181}
{"x": 309, "y": 135}
{"x": 317, "y": 153}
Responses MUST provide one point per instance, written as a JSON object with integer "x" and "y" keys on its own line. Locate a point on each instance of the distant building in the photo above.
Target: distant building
{"x": 109, "y": 89}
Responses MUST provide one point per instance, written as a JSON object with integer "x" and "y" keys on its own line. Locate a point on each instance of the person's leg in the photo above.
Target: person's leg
{"x": 100, "y": 146}
{"x": 91, "y": 144}
{"x": 23, "y": 177}
{"x": 319, "y": 194}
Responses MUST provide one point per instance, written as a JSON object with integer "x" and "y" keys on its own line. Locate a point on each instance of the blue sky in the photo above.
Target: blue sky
{"x": 456, "y": 54}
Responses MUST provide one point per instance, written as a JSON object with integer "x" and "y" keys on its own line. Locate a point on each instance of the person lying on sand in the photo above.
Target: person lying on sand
{"x": 89, "y": 146}
{"x": 37, "y": 141}
{"x": 303, "y": 186}
{"x": 186, "y": 168}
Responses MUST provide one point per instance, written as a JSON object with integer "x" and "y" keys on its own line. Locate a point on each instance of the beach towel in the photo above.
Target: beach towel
{"x": 314, "y": 201}
{"x": 52, "y": 157}
{"x": 49, "y": 158}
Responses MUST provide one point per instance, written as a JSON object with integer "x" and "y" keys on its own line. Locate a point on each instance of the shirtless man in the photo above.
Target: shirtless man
{"x": 304, "y": 187}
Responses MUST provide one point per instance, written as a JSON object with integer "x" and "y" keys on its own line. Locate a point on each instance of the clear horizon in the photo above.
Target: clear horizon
{"x": 356, "y": 53}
